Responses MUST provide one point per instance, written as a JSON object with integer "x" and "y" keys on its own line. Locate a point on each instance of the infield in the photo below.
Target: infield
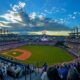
{"x": 41, "y": 54}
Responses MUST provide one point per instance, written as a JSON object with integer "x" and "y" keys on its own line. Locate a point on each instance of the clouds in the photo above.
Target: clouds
{"x": 41, "y": 17}
{"x": 75, "y": 16}
{"x": 32, "y": 15}
{"x": 61, "y": 21}
{"x": 16, "y": 16}
{"x": 1, "y": 24}
{"x": 71, "y": 19}
{"x": 55, "y": 10}
{"x": 12, "y": 15}
{"x": 22, "y": 4}
{"x": 4, "y": 24}
{"x": 18, "y": 6}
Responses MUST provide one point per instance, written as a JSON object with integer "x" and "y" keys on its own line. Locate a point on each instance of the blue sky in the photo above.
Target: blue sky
{"x": 63, "y": 11}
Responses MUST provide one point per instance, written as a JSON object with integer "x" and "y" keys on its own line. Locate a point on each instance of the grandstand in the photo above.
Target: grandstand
{"x": 8, "y": 40}
{"x": 73, "y": 41}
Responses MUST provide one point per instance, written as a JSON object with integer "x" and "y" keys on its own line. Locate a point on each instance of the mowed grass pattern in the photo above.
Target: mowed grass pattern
{"x": 49, "y": 54}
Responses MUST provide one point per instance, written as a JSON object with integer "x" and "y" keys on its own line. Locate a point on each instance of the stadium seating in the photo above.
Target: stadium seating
{"x": 14, "y": 70}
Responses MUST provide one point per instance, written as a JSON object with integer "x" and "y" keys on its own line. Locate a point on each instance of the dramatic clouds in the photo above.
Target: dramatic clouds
{"x": 19, "y": 17}
{"x": 12, "y": 16}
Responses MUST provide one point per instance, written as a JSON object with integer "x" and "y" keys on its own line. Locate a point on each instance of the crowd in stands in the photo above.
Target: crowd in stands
{"x": 64, "y": 71}
{"x": 74, "y": 40}
{"x": 10, "y": 41}
{"x": 11, "y": 70}
{"x": 40, "y": 40}
{"x": 13, "y": 45}
{"x": 73, "y": 48}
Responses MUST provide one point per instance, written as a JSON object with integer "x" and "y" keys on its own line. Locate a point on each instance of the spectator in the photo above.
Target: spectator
{"x": 63, "y": 71}
{"x": 78, "y": 67}
{"x": 73, "y": 74}
{"x": 44, "y": 67}
{"x": 44, "y": 76}
{"x": 52, "y": 74}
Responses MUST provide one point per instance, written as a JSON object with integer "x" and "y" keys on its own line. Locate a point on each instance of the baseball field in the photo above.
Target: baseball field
{"x": 36, "y": 54}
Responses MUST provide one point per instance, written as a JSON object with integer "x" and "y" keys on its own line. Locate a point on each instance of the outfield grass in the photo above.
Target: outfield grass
{"x": 51, "y": 55}
{"x": 79, "y": 52}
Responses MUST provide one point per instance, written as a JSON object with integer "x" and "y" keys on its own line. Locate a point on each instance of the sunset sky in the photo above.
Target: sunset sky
{"x": 66, "y": 12}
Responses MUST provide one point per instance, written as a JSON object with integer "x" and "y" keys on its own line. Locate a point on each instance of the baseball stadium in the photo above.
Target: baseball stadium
{"x": 35, "y": 44}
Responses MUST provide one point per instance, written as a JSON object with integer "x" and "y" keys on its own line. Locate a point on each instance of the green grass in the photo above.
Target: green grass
{"x": 79, "y": 52}
{"x": 41, "y": 54}
{"x": 11, "y": 53}
{"x": 51, "y": 55}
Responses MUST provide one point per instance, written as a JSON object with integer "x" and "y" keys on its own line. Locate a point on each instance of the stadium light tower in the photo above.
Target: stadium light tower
{"x": 0, "y": 31}
{"x": 77, "y": 31}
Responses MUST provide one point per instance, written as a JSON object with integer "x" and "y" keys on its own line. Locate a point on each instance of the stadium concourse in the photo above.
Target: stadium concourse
{"x": 13, "y": 70}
